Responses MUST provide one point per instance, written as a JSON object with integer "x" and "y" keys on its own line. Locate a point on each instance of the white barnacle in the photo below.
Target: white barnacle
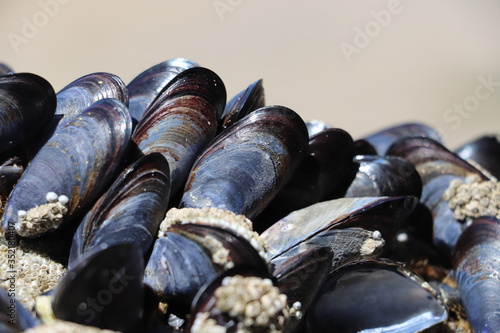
{"x": 44, "y": 217}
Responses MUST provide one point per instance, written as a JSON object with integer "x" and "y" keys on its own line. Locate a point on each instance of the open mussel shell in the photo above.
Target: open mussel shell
{"x": 383, "y": 139}
{"x": 182, "y": 120}
{"x": 190, "y": 255}
{"x": 437, "y": 167}
{"x": 375, "y": 296}
{"x": 4, "y": 69}
{"x": 476, "y": 259}
{"x": 379, "y": 176}
{"x": 104, "y": 290}
{"x": 73, "y": 99}
{"x": 71, "y": 170}
{"x": 248, "y": 163}
{"x": 248, "y": 100}
{"x": 27, "y": 103}
{"x": 145, "y": 87}
{"x": 328, "y": 158}
{"x": 352, "y": 227}
{"x": 485, "y": 151}
{"x": 130, "y": 211}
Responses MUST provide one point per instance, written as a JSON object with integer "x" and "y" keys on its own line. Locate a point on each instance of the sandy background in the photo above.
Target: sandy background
{"x": 359, "y": 65}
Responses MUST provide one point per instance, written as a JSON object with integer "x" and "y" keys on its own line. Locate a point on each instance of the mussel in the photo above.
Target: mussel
{"x": 182, "y": 120}
{"x": 27, "y": 104}
{"x": 145, "y": 87}
{"x": 70, "y": 171}
{"x": 375, "y": 296}
{"x": 264, "y": 148}
{"x": 130, "y": 211}
{"x": 476, "y": 259}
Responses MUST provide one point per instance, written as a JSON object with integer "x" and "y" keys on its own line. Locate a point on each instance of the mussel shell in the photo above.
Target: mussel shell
{"x": 374, "y": 296}
{"x": 419, "y": 151}
{"x": 379, "y": 176}
{"x": 73, "y": 99}
{"x": 363, "y": 147}
{"x": 301, "y": 277}
{"x": 248, "y": 100}
{"x": 27, "y": 103}
{"x": 248, "y": 163}
{"x": 476, "y": 259}
{"x": 485, "y": 151}
{"x": 317, "y": 177}
{"x": 78, "y": 162}
{"x": 104, "y": 290}
{"x": 182, "y": 120}
{"x": 144, "y": 88}
{"x": 383, "y": 139}
{"x": 437, "y": 167}
{"x": 383, "y": 214}
{"x": 130, "y": 211}
{"x": 179, "y": 266}
{"x": 10, "y": 171}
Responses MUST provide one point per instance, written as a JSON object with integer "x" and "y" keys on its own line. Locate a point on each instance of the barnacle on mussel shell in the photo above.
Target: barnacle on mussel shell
{"x": 70, "y": 171}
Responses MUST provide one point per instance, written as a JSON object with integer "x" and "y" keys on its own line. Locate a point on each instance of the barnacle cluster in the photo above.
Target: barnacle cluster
{"x": 60, "y": 326}
{"x": 253, "y": 302}
{"x": 32, "y": 273}
{"x": 44, "y": 217}
{"x": 239, "y": 224}
{"x": 473, "y": 198}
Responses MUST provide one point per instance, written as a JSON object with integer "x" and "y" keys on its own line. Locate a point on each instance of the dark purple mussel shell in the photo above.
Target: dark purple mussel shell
{"x": 248, "y": 163}
{"x": 130, "y": 211}
{"x": 476, "y": 259}
{"x": 379, "y": 176}
{"x": 144, "y": 88}
{"x": 14, "y": 317}
{"x": 300, "y": 277}
{"x": 104, "y": 290}
{"x": 4, "y": 69}
{"x": 353, "y": 227}
{"x": 188, "y": 255}
{"x": 71, "y": 170}
{"x": 27, "y": 103}
{"x": 10, "y": 172}
{"x": 73, "y": 99}
{"x": 328, "y": 158}
{"x": 383, "y": 139}
{"x": 363, "y": 147}
{"x": 375, "y": 296}
{"x": 248, "y": 100}
{"x": 485, "y": 151}
{"x": 182, "y": 121}
{"x": 437, "y": 167}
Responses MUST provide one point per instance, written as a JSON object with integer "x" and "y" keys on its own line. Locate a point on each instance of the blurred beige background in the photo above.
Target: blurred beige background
{"x": 359, "y": 65}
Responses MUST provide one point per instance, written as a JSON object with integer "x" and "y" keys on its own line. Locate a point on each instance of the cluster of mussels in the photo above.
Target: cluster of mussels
{"x": 158, "y": 207}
